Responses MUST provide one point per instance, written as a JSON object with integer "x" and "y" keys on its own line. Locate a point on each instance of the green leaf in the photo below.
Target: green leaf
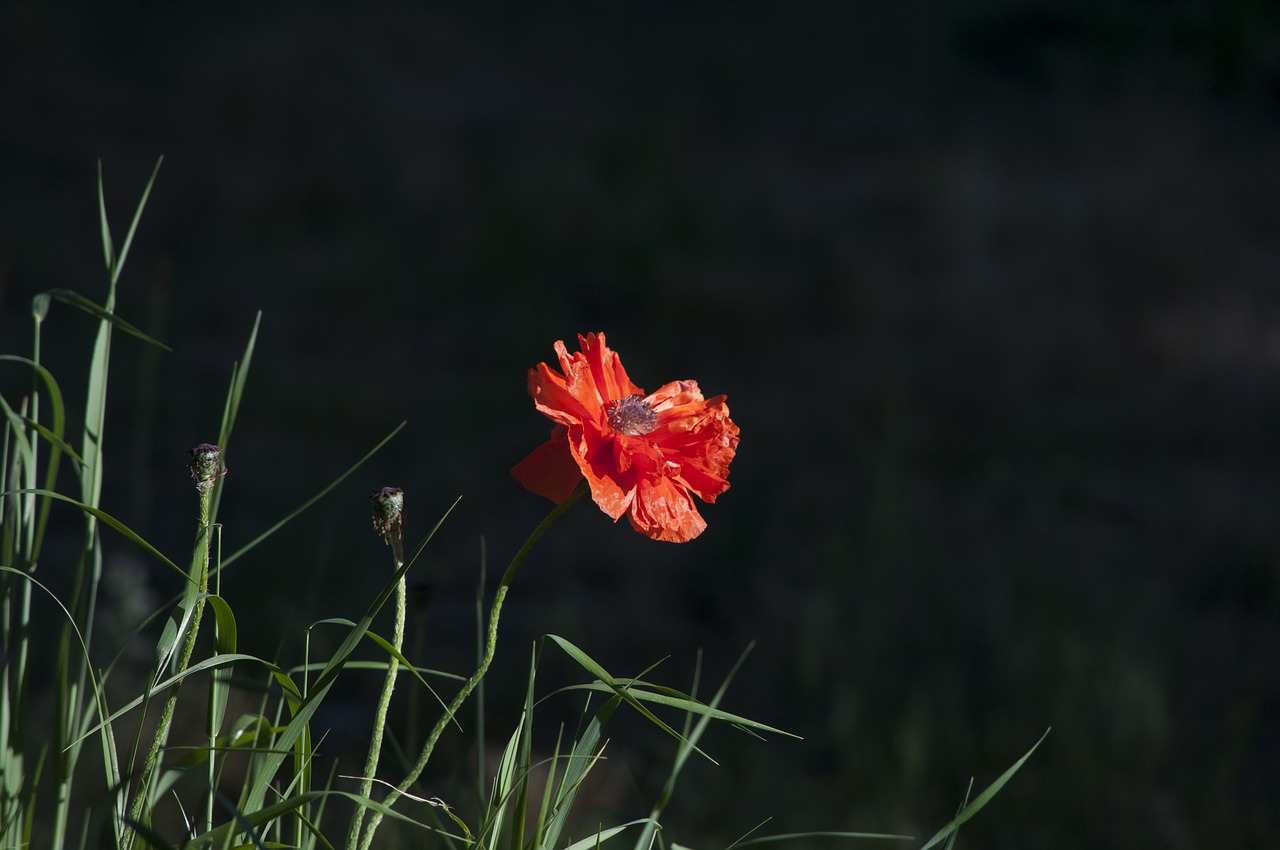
{"x": 983, "y": 798}
{"x": 602, "y": 836}
{"x": 215, "y": 662}
{"x": 684, "y": 703}
{"x": 648, "y": 833}
{"x": 70, "y": 622}
{"x": 226, "y": 624}
{"x": 231, "y": 408}
{"x": 385, "y": 644}
{"x": 586, "y": 752}
{"x": 75, "y": 299}
{"x": 589, "y": 664}
{"x": 108, "y": 250}
{"x": 109, "y": 520}
{"x": 137, "y": 215}
{"x": 56, "y": 439}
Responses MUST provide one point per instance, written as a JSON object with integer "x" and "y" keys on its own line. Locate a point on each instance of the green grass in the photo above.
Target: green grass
{"x": 104, "y": 771}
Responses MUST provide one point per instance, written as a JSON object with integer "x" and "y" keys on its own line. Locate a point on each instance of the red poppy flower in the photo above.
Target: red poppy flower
{"x": 643, "y": 455}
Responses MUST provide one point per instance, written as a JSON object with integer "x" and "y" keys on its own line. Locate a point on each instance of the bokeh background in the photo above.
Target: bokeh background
{"x": 990, "y": 286}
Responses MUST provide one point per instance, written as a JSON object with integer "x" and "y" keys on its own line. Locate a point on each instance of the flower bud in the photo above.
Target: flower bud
{"x": 206, "y": 460}
{"x": 388, "y": 513}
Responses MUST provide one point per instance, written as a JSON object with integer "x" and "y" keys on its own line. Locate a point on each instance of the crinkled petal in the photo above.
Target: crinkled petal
{"x": 663, "y": 510}
{"x": 554, "y": 398}
{"x": 701, "y": 439}
{"x": 612, "y": 489}
{"x": 550, "y": 470}
{"x": 570, "y": 395}
{"x": 609, "y": 377}
{"x": 674, "y": 394}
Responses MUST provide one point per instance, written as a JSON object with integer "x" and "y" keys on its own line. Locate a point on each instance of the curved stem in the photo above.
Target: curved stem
{"x": 384, "y": 703}
{"x": 491, "y": 641}
{"x": 184, "y": 660}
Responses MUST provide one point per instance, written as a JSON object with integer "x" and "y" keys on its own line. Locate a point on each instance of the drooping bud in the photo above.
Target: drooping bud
{"x": 205, "y": 466}
{"x": 388, "y": 514}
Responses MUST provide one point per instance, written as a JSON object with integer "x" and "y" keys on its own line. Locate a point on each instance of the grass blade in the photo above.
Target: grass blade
{"x": 309, "y": 502}
{"x": 137, "y": 215}
{"x": 75, "y": 299}
{"x": 111, "y": 521}
{"x": 983, "y": 798}
{"x": 231, "y": 408}
{"x": 623, "y": 691}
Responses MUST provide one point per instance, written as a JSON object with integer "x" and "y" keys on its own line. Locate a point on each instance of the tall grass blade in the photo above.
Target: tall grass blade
{"x": 674, "y": 699}
{"x": 623, "y": 691}
{"x": 75, "y": 299}
{"x": 114, "y": 523}
{"x": 602, "y": 836}
{"x": 137, "y": 215}
{"x": 108, "y": 249}
{"x": 586, "y": 752}
{"x": 983, "y": 798}
{"x": 687, "y": 747}
{"x": 231, "y": 408}
{"x": 55, "y": 435}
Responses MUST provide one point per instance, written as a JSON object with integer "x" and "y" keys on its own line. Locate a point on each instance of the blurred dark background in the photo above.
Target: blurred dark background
{"x": 990, "y": 286}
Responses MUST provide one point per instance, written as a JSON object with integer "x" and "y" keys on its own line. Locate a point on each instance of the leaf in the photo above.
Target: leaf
{"x": 75, "y": 299}
{"x": 590, "y": 665}
{"x": 56, "y": 439}
{"x": 109, "y": 520}
{"x": 983, "y": 798}
{"x": 601, "y": 836}
{"x": 586, "y": 752}
{"x": 231, "y": 408}
{"x": 638, "y": 689}
{"x": 137, "y": 215}
{"x": 226, "y": 624}
{"x": 213, "y": 663}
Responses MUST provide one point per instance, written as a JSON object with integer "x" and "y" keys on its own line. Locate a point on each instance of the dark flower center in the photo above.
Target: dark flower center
{"x": 631, "y": 415}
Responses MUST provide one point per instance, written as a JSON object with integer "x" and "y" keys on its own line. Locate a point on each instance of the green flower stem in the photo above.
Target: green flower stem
{"x": 184, "y": 660}
{"x": 486, "y": 659}
{"x": 384, "y": 702}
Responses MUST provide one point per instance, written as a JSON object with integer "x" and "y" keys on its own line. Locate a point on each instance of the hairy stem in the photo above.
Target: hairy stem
{"x": 184, "y": 660}
{"x": 384, "y": 702}
{"x": 491, "y": 641}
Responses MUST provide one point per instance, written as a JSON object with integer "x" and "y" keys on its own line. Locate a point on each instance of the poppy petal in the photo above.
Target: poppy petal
{"x": 663, "y": 510}
{"x": 674, "y": 394}
{"x": 606, "y": 369}
{"x": 611, "y": 489}
{"x": 550, "y": 470}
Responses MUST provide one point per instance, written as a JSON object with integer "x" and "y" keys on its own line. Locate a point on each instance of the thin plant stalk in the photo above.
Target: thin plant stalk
{"x": 491, "y": 640}
{"x": 218, "y": 678}
{"x": 206, "y": 460}
{"x": 388, "y": 519}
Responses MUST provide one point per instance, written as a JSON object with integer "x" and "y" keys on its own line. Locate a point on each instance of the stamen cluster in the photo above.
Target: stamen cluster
{"x": 631, "y": 415}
